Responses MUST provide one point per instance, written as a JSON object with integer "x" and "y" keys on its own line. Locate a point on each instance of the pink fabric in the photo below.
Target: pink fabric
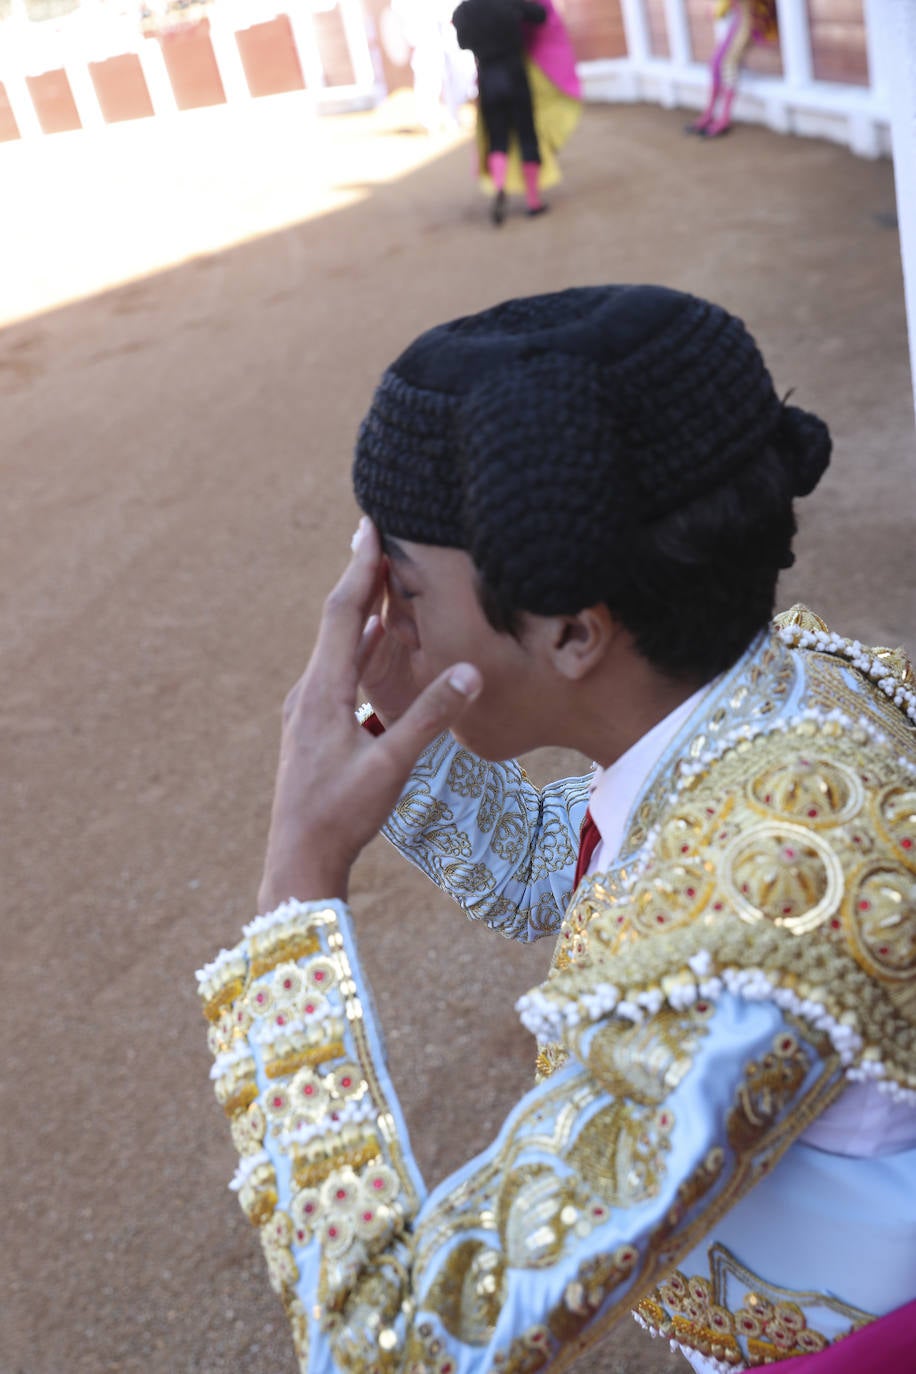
{"x": 531, "y": 171}
{"x": 885, "y": 1346}
{"x": 549, "y": 47}
{"x": 496, "y": 166}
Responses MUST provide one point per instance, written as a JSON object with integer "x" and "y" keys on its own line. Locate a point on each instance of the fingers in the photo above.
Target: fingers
{"x": 371, "y": 638}
{"x": 292, "y": 697}
{"x": 437, "y": 708}
{"x": 346, "y": 609}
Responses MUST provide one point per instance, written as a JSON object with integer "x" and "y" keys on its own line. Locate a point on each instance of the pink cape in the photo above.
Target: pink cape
{"x": 885, "y": 1346}
{"x": 550, "y": 49}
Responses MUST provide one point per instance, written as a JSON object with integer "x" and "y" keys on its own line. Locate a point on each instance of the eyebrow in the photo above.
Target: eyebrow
{"x": 396, "y": 551}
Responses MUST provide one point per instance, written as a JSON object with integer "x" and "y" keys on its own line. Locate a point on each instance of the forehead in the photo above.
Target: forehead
{"x": 431, "y": 563}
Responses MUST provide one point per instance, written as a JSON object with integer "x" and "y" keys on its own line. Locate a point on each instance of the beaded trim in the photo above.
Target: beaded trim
{"x": 248, "y": 1165}
{"x": 867, "y": 662}
{"x": 717, "y": 1366}
{"x": 549, "y": 1021}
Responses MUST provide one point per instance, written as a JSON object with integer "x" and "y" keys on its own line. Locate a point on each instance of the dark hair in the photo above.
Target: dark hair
{"x": 695, "y": 587}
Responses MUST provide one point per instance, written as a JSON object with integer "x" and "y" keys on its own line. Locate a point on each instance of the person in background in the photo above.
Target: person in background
{"x": 442, "y": 82}
{"x": 746, "y": 22}
{"x": 529, "y": 96}
{"x": 493, "y": 31}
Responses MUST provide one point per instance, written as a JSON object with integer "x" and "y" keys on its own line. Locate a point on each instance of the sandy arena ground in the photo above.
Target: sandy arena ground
{"x": 176, "y": 485}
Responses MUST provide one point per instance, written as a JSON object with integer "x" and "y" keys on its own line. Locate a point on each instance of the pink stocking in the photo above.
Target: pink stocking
{"x": 496, "y": 166}
{"x": 531, "y": 172}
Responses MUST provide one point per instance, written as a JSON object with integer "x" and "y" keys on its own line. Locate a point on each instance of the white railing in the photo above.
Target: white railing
{"x": 92, "y": 34}
{"x": 795, "y": 102}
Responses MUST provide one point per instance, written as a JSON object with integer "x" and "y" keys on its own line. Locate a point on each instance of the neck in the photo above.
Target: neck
{"x": 613, "y": 715}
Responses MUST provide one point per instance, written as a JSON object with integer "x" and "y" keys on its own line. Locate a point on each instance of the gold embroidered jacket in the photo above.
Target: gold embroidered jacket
{"x": 753, "y": 953}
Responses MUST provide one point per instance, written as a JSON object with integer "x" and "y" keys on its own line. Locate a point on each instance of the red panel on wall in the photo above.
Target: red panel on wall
{"x": 596, "y": 29}
{"x": 269, "y": 56}
{"x": 53, "y": 101}
{"x": 333, "y": 47}
{"x": 839, "y": 49}
{"x": 121, "y": 88}
{"x": 8, "y": 126}
{"x": 192, "y": 67}
{"x": 657, "y": 25}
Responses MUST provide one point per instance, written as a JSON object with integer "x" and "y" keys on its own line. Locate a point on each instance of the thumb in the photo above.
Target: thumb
{"x": 437, "y": 708}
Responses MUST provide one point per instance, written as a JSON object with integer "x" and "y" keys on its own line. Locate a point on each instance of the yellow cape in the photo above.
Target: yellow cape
{"x": 555, "y": 117}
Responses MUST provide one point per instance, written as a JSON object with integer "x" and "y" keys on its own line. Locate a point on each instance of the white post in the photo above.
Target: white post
{"x": 303, "y": 30}
{"x": 156, "y": 76}
{"x": 636, "y": 30}
{"x": 794, "y": 42}
{"x": 678, "y": 32}
{"x": 20, "y": 98}
{"x": 892, "y": 42}
{"x": 85, "y": 97}
{"x": 77, "y": 47}
{"x": 226, "y": 52}
{"x": 13, "y": 71}
{"x": 351, "y": 12}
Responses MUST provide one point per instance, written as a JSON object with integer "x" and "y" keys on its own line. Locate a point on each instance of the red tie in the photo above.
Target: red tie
{"x": 589, "y": 839}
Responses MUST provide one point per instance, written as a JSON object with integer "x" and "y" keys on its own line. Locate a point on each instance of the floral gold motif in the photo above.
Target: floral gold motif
{"x": 770, "y": 1325}
{"x": 768, "y": 1086}
{"x": 643, "y": 1063}
{"x": 782, "y": 873}
{"x": 469, "y": 1291}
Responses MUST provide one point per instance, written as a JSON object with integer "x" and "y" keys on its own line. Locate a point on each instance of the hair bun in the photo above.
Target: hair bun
{"x": 808, "y": 444}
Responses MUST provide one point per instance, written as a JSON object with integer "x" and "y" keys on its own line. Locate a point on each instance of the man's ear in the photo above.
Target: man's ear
{"x": 578, "y": 643}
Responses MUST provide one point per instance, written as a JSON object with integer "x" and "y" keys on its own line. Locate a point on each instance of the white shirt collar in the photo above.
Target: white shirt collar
{"x": 614, "y": 790}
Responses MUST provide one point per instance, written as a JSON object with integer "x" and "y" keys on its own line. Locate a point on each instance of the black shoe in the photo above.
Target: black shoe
{"x": 537, "y": 210}
{"x": 498, "y": 208}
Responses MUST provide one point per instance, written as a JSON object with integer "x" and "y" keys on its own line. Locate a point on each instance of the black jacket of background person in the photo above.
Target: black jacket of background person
{"x": 492, "y": 29}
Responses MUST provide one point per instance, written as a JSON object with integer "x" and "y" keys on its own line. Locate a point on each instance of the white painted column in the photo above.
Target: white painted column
{"x": 226, "y": 51}
{"x": 636, "y": 28}
{"x": 85, "y": 97}
{"x": 156, "y": 76}
{"x": 892, "y": 46}
{"x": 13, "y": 70}
{"x": 76, "y": 48}
{"x": 795, "y": 41}
{"x": 19, "y": 96}
{"x": 351, "y": 12}
{"x": 636, "y": 31}
{"x": 678, "y": 32}
{"x": 303, "y": 29}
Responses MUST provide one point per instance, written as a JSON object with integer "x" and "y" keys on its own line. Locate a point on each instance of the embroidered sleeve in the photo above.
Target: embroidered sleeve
{"x": 502, "y": 848}
{"x": 599, "y": 1180}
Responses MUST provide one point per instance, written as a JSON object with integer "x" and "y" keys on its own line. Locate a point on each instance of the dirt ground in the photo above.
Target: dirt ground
{"x": 176, "y": 489}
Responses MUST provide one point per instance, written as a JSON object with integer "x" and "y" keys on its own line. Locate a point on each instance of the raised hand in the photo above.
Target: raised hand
{"x": 336, "y": 784}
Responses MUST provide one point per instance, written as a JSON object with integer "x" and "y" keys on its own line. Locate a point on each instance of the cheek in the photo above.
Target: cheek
{"x": 492, "y": 735}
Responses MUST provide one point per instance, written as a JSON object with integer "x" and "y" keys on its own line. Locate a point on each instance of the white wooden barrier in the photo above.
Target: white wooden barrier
{"x": 795, "y": 102}
{"x": 90, "y": 34}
